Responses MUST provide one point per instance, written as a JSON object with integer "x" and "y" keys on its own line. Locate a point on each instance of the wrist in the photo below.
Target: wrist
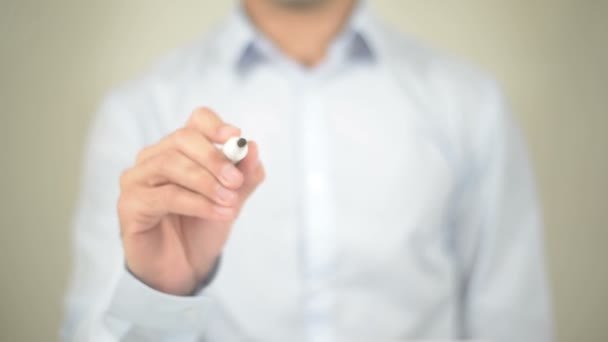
{"x": 172, "y": 284}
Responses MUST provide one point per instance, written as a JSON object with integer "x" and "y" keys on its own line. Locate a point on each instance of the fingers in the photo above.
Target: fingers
{"x": 202, "y": 121}
{"x": 196, "y": 147}
{"x": 186, "y": 174}
{"x": 174, "y": 199}
{"x": 205, "y": 121}
{"x": 174, "y": 167}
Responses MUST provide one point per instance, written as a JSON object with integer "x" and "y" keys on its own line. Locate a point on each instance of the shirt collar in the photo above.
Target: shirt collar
{"x": 242, "y": 46}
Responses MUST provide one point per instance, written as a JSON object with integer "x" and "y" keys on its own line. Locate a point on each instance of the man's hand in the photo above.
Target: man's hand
{"x": 178, "y": 203}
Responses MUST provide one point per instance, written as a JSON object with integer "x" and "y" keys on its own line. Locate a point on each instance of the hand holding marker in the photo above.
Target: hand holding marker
{"x": 179, "y": 200}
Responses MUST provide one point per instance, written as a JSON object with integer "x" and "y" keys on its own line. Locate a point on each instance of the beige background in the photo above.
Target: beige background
{"x": 58, "y": 58}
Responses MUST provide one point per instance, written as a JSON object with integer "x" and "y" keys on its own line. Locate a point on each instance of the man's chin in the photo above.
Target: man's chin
{"x": 300, "y": 4}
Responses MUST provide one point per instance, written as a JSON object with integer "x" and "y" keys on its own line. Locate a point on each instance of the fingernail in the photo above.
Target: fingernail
{"x": 231, "y": 174}
{"x": 224, "y": 211}
{"x": 225, "y": 195}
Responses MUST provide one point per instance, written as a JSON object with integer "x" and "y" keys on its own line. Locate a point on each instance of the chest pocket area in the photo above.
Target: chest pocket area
{"x": 393, "y": 186}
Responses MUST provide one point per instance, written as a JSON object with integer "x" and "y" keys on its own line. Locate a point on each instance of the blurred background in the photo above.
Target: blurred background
{"x": 58, "y": 58}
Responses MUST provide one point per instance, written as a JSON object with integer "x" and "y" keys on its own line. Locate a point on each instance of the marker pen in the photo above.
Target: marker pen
{"x": 235, "y": 149}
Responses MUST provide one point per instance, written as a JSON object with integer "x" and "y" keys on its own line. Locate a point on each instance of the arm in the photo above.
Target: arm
{"x": 500, "y": 249}
{"x": 105, "y": 300}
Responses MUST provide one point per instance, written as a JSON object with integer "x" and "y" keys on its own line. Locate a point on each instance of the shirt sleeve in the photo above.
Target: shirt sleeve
{"x": 105, "y": 302}
{"x": 145, "y": 307}
{"x": 499, "y": 233}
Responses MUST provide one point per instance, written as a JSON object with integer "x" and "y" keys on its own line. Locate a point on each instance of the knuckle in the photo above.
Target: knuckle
{"x": 142, "y": 154}
{"x": 120, "y": 204}
{"x": 125, "y": 178}
{"x": 180, "y": 138}
{"x": 126, "y": 206}
{"x": 201, "y": 114}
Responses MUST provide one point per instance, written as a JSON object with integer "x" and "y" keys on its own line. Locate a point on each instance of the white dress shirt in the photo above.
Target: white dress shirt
{"x": 398, "y": 202}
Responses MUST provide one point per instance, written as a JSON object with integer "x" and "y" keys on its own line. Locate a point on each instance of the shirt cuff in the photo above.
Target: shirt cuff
{"x": 140, "y": 305}
{"x": 203, "y": 284}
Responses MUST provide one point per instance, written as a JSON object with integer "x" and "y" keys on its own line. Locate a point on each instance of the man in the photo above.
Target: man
{"x": 394, "y": 201}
